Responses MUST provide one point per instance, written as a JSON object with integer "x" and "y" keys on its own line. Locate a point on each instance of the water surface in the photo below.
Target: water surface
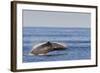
{"x": 77, "y": 39}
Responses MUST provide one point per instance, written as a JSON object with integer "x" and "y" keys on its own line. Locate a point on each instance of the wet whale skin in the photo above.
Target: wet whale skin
{"x": 47, "y": 47}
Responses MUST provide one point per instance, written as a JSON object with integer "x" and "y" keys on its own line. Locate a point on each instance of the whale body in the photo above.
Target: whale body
{"x": 44, "y": 48}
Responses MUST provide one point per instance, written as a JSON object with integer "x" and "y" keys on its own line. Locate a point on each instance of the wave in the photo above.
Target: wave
{"x": 68, "y": 42}
{"x": 56, "y": 38}
{"x": 54, "y": 35}
{"x": 55, "y": 30}
{"x": 75, "y": 47}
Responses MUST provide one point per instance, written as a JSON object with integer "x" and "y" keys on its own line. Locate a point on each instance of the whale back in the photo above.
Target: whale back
{"x": 42, "y": 49}
{"x": 47, "y": 47}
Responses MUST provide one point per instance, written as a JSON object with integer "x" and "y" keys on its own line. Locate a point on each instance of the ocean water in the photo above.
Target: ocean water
{"x": 77, "y": 40}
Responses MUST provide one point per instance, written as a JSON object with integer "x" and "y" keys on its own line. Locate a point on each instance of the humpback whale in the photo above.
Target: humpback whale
{"x": 44, "y": 48}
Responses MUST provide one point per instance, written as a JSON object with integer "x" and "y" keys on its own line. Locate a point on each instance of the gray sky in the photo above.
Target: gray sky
{"x": 32, "y": 18}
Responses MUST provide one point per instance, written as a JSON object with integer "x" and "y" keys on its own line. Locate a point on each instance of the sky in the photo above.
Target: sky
{"x": 33, "y": 18}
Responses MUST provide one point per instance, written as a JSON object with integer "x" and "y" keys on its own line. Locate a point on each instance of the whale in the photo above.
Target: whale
{"x": 45, "y": 48}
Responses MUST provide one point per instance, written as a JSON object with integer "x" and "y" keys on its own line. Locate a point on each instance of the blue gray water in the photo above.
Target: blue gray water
{"x": 77, "y": 39}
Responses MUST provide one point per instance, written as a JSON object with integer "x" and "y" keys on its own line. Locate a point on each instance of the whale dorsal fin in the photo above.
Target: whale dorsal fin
{"x": 48, "y": 43}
